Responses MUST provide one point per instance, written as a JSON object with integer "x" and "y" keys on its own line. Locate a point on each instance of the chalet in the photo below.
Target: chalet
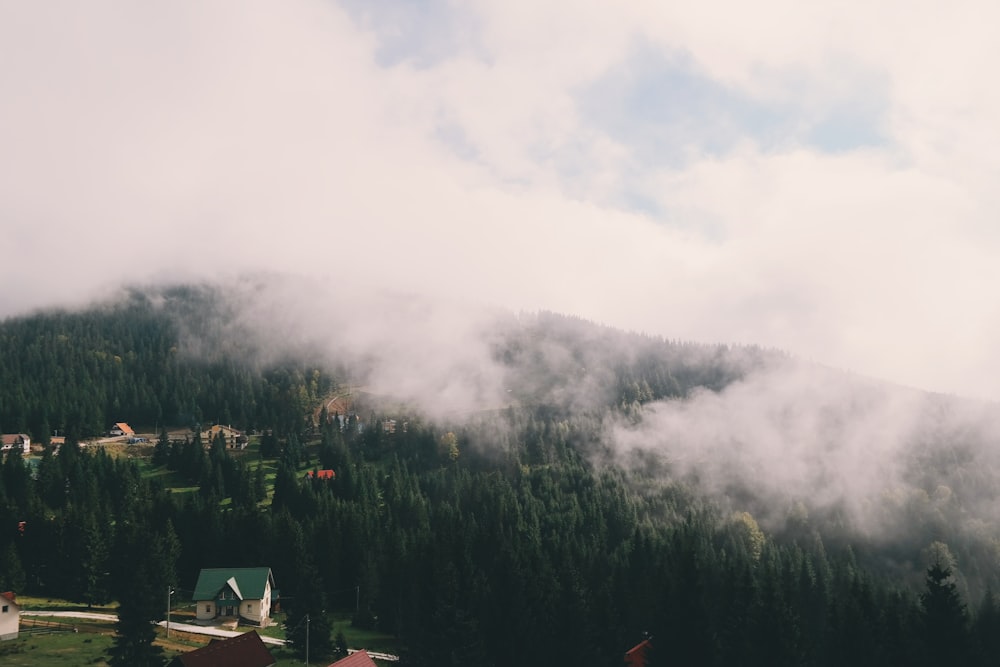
{"x": 234, "y": 439}
{"x": 356, "y": 659}
{"x": 121, "y": 428}
{"x": 242, "y": 594}
{"x": 10, "y": 616}
{"x": 244, "y": 650}
{"x": 321, "y": 474}
{"x": 13, "y": 441}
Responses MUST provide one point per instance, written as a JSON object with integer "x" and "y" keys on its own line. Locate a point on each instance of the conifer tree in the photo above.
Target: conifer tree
{"x": 945, "y": 618}
{"x": 145, "y": 574}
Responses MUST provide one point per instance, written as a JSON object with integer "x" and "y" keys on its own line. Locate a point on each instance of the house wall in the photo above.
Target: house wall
{"x": 10, "y": 618}
{"x": 205, "y": 610}
{"x": 257, "y": 610}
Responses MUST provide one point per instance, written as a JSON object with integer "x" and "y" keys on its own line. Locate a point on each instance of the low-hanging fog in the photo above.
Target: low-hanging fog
{"x": 796, "y": 434}
{"x": 777, "y": 435}
{"x": 751, "y": 181}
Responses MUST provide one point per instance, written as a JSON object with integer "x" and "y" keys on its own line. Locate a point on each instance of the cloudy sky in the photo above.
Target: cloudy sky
{"x": 817, "y": 177}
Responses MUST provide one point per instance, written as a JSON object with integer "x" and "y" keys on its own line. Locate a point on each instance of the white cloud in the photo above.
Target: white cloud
{"x": 205, "y": 139}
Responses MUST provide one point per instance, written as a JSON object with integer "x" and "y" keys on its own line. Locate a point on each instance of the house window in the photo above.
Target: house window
{"x": 6, "y": 608}
{"x": 249, "y": 607}
{"x": 208, "y": 609}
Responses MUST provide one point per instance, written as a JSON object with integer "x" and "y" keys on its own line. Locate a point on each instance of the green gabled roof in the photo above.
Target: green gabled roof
{"x": 250, "y": 582}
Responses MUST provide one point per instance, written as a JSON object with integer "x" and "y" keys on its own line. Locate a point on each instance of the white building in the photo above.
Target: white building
{"x": 12, "y": 440}
{"x": 10, "y": 616}
{"x": 242, "y": 594}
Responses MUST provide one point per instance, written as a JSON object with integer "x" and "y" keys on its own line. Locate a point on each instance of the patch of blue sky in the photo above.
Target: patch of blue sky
{"x": 846, "y": 129}
{"x": 667, "y": 113}
{"x": 421, "y": 33}
{"x": 453, "y": 136}
{"x": 636, "y": 201}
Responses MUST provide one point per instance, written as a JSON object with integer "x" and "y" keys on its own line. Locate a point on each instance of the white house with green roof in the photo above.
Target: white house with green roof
{"x": 242, "y": 593}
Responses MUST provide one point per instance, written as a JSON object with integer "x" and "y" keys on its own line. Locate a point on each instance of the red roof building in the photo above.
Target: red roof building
{"x": 637, "y": 655}
{"x": 121, "y": 428}
{"x": 321, "y": 474}
{"x": 356, "y": 659}
{"x": 246, "y": 650}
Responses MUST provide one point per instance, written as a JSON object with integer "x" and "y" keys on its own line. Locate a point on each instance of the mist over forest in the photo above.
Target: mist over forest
{"x": 762, "y": 451}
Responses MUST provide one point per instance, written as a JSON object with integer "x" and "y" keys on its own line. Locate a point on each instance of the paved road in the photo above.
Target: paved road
{"x": 93, "y": 616}
{"x": 185, "y": 627}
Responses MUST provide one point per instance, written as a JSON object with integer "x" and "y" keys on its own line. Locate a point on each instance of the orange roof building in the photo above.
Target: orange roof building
{"x": 356, "y": 659}
{"x": 121, "y": 428}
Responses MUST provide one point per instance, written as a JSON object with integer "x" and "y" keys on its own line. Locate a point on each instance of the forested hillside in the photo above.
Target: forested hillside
{"x": 557, "y": 528}
{"x": 171, "y": 356}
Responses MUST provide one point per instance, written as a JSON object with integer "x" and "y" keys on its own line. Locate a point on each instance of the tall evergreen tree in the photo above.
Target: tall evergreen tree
{"x": 308, "y": 626}
{"x": 161, "y": 451}
{"x": 146, "y": 573}
{"x": 945, "y": 618}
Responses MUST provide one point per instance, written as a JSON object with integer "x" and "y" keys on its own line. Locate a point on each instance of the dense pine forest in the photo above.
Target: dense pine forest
{"x": 517, "y": 534}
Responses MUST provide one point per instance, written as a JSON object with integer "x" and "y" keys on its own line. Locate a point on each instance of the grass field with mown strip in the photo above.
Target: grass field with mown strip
{"x": 32, "y": 603}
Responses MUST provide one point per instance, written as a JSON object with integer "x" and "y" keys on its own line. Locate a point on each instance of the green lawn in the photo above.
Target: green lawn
{"x": 57, "y": 650}
{"x": 359, "y": 638}
{"x": 32, "y": 603}
{"x": 89, "y": 647}
{"x": 356, "y": 637}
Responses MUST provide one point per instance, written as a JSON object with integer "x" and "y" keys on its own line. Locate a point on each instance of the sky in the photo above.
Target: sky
{"x": 813, "y": 177}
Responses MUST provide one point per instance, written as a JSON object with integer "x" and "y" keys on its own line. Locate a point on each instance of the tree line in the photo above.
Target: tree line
{"x": 471, "y": 560}
{"x": 146, "y": 361}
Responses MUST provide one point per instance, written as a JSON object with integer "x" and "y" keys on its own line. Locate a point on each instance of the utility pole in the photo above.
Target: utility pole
{"x": 307, "y": 639}
{"x": 169, "y": 593}
{"x": 357, "y": 598}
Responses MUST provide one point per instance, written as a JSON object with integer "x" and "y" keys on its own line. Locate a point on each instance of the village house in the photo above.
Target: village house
{"x": 321, "y": 474}
{"x": 12, "y": 441}
{"x": 240, "y": 594}
{"x": 10, "y": 616}
{"x": 356, "y": 659}
{"x": 233, "y": 438}
{"x": 245, "y": 650}
{"x": 638, "y": 655}
{"x": 121, "y": 428}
